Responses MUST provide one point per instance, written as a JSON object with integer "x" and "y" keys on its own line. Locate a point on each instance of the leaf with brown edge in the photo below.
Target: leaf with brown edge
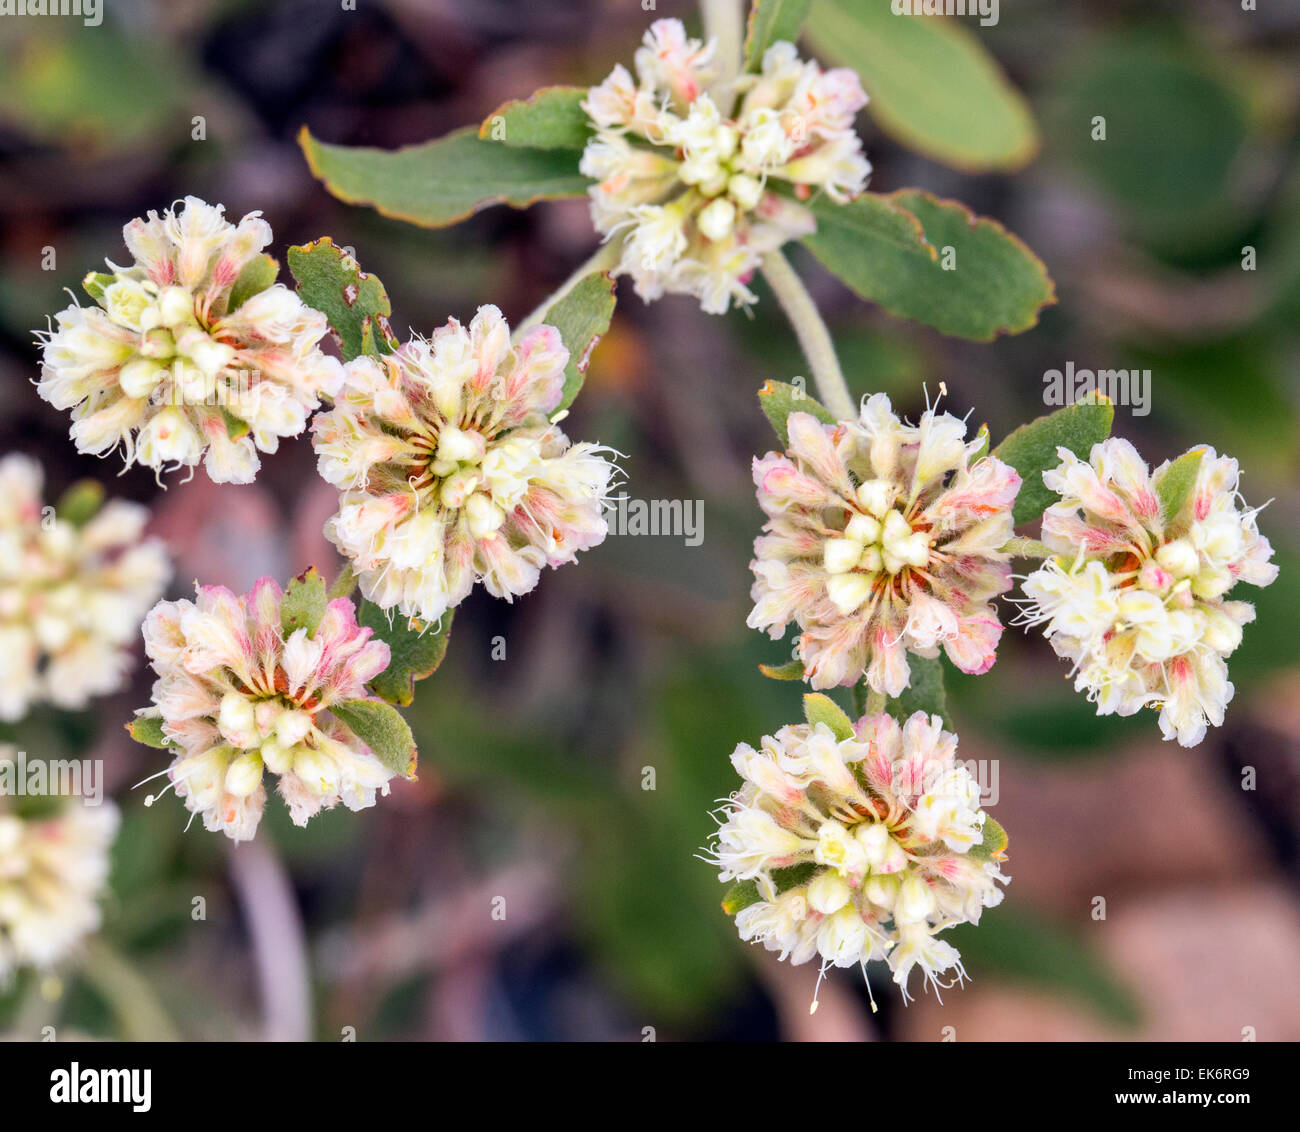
{"x": 778, "y": 399}
{"x": 147, "y": 729}
{"x": 303, "y": 604}
{"x": 354, "y": 302}
{"x": 582, "y": 317}
{"x": 416, "y": 650}
{"x": 381, "y": 727}
{"x": 551, "y": 118}
{"x": 790, "y": 670}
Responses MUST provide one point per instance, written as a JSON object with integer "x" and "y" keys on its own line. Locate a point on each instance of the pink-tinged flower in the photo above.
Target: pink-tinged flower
{"x": 166, "y": 369}
{"x": 53, "y": 871}
{"x": 882, "y": 538}
{"x": 859, "y": 848}
{"x": 449, "y": 471}
{"x": 686, "y": 160}
{"x": 1137, "y": 598}
{"x": 237, "y": 696}
{"x": 71, "y": 596}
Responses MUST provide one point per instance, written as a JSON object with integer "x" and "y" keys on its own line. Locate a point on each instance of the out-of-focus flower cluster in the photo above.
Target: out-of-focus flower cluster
{"x": 1138, "y": 597}
{"x": 52, "y": 872}
{"x": 449, "y": 471}
{"x": 686, "y": 160}
{"x": 882, "y": 538}
{"x": 861, "y": 848}
{"x": 238, "y": 697}
{"x": 168, "y": 368}
{"x": 71, "y": 597}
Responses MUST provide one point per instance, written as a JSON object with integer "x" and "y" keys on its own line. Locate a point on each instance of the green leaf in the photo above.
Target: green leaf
{"x": 80, "y": 503}
{"x": 1031, "y": 449}
{"x": 95, "y": 283}
{"x": 581, "y": 316}
{"x": 819, "y": 708}
{"x": 740, "y": 896}
{"x": 332, "y": 282}
{"x": 1177, "y": 481}
{"x": 933, "y": 85}
{"x": 417, "y": 650}
{"x": 933, "y": 261}
{"x": 257, "y": 275}
{"x": 552, "y": 118}
{"x": 793, "y": 875}
{"x": 778, "y": 400}
{"x": 304, "y": 603}
{"x": 924, "y": 692}
{"x": 381, "y": 727}
{"x": 235, "y": 427}
{"x": 993, "y": 843}
{"x": 790, "y": 670}
{"x": 147, "y": 729}
{"x": 443, "y": 181}
{"x": 770, "y": 21}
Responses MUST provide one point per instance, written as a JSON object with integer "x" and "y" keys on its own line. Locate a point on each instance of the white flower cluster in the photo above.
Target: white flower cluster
{"x": 71, "y": 598}
{"x": 1137, "y": 598}
{"x": 861, "y": 847}
{"x": 166, "y": 368}
{"x": 686, "y": 162}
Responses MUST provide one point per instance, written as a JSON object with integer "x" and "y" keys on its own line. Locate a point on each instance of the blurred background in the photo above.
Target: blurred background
{"x": 531, "y": 802}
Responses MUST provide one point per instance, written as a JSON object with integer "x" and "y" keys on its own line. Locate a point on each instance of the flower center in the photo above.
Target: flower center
{"x": 878, "y": 540}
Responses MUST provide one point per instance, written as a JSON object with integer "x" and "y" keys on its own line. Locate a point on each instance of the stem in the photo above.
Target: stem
{"x": 605, "y": 258}
{"x": 724, "y": 20}
{"x": 875, "y": 702}
{"x": 1027, "y": 548}
{"x": 127, "y": 991}
{"x": 814, "y": 338}
{"x": 344, "y": 584}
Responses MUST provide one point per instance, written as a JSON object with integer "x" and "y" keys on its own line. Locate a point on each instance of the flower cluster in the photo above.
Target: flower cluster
{"x": 238, "y": 696}
{"x": 686, "y": 161}
{"x": 882, "y": 538}
{"x": 52, "y": 873}
{"x": 167, "y": 368}
{"x": 862, "y": 847}
{"x": 1138, "y": 597}
{"x": 71, "y": 597}
{"x": 450, "y": 472}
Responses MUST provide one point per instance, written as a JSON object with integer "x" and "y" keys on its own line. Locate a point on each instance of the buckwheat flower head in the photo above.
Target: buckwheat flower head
{"x": 450, "y": 472}
{"x": 883, "y": 538}
{"x": 238, "y": 697}
{"x": 53, "y": 871}
{"x": 71, "y": 597}
{"x": 1138, "y": 598}
{"x": 165, "y": 369}
{"x": 688, "y": 161}
{"x": 860, "y": 848}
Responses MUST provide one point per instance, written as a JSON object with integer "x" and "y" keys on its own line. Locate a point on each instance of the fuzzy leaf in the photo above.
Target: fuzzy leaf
{"x": 582, "y": 317}
{"x": 80, "y": 503}
{"x": 380, "y": 726}
{"x": 332, "y": 282}
{"x": 793, "y": 875}
{"x": 778, "y": 400}
{"x": 924, "y": 692}
{"x": 443, "y": 181}
{"x": 1177, "y": 482}
{"x": 933, "y": 85}
{"x": 258, "y": 274}
{"x": 552, "y": 118}
{"x": 304, "y": 603}
{"x": 236, "y": 428}
{"x": 819, "y": 708}
{"x": 994, "y": 841}
{"x": 417, "y": 650}
{"x": 95, "y": 283}
{"x": 1031, "y": 449}
{"x": 740, "y": 896}
{"x": 790, "y": 670}
{"x": 770, "y": 21}
{"x": 147, "y": 729}
{"x": 933, "y": 261}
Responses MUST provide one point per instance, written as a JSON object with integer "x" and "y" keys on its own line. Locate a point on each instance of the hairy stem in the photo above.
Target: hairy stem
{"x": 605, "y": 258}
{"x": 128, "y": 993}
{"x": 724, "y": 20}
{"x": 344, "y": 584}
{"x": 814, "y": 338}
{"x": 876, "y": 702}
{"x": 1027, "y": 548}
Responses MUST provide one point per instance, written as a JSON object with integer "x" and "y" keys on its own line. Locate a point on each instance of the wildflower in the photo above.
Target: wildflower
{"x": 449, "y": 471}
{"x": 71, "y": 597}
{"x": 53, "y": 871}
{"x": 163, "y": 367}
{"x": 1138, "y": 595}
{"x": 882, "y": 539}
{"x": 237, "y": 697}
{"x": 687, "y": 162}
{"x": 860, "y": 847}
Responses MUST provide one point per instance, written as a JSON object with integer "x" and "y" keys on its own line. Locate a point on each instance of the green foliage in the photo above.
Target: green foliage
{"x": 147, "y": 729}
{"x": 770, "y": 21}
{"x": 304, "y": 603}
{"x": 443, "y": 181}
{"x": 551, "y": 118}
{"x": 933, "y": 261}
{"x": 355, "y": 303}
{"x": 381, "y": 727}
{"x": 1031, "y": 449}
{"x": 81, "y": 502}
{"x": 582, "y": 316}
{"x": 790, "y": 670}
{"x": 924, "y": 692}
{"x": 417, "y": 650}
{"x": 257, "y": 275}
{"x": 820, "y": 708}
{"x": 1175, "y": 485}
{"x": 932, "y": 84}
{"x": 779, "y": 399}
